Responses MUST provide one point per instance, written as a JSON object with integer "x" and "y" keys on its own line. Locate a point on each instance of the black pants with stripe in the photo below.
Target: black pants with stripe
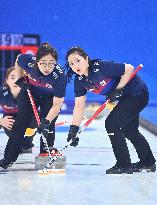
{"x": 123, "y": 122}
{"x": 23, "y": 119}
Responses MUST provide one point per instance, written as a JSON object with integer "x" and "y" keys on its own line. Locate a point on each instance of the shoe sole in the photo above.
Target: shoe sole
{"x": 147, "y": 170}
{"x": 152, "y": 169}
{"x": 120, "y": 173}
{"x": 123, "y": 174}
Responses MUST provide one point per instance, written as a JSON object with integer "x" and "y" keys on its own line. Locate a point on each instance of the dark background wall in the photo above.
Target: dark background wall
{"x": 123, "y": 30}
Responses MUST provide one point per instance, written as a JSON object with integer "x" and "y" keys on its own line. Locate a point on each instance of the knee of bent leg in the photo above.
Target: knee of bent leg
{"x": 110, "y": 125}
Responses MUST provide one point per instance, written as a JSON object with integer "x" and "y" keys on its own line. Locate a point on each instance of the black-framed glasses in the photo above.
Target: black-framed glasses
{"x": 45, "y": 64}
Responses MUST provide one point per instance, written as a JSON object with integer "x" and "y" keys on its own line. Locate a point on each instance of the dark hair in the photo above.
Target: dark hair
{"x": 77, "y": 50}
{"x": 46, "y": 49}
{"x": 74, "y": 50}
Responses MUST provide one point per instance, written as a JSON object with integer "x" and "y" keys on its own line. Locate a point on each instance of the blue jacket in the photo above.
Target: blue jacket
{"x": 53, "y": 84}
{"x": 8, "y": 102}
{"x": 103, "y": 77}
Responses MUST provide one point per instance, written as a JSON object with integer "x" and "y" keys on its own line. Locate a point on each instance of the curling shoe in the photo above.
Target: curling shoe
{"x": 139, "y": 167}
{"x": 119, "y": 170}
{"x": 5, "y": 164}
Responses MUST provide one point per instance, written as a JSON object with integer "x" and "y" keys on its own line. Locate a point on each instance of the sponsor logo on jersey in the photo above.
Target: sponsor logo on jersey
{"x": 80, "y": 77}
{"x": 48, "y": 85}
{"x": 96, "y": 70}
{"x": 5, "y": 93}
{"x": 31, "y": 65}
{"x": 59, "y": 69}
{"x": 8, "y": 109}
{"x": 34, "y": 58}
{"x": 55, "y": 75}
{"x": 102, "y": 83}
{"x": 100, "y": 87}
{"x": 96, "y": 63}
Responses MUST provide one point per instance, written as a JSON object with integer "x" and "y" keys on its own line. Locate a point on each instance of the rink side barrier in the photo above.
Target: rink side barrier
{"x": 143, "y": 122}
{"x": 148, "y": 125}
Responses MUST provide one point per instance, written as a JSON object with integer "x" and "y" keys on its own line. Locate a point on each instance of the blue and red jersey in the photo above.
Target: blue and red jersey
{"x": 53, "y": 84}
{"x": 103, "y": 77}
{"x": 8, "y": 102}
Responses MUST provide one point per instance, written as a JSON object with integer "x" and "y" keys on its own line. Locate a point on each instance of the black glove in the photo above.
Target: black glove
{"x": 115, "y": 95}
{"x": 73, "y": 135}
{"x": 23, "y": 83}
{"x": 44, "y": 127}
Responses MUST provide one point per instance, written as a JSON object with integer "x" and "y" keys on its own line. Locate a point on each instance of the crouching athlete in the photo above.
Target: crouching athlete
{"x": 9, "y": 93}
{"x": 47, "y": 84}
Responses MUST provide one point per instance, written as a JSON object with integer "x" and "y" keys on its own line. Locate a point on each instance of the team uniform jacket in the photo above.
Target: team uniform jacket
{"x": 103, "y": 77}
{"x": 53, "y": 84}
{"x": 8, "y": 102}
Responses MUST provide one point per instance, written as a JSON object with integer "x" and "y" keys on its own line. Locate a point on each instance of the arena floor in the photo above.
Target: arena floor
{"x": 84, "y": 181}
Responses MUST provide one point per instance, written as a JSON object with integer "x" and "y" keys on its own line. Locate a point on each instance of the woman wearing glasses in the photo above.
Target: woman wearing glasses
{"x": 47, "y": 84}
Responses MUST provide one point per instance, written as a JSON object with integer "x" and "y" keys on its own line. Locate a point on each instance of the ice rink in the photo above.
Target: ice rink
{"x": 84, "y": 181}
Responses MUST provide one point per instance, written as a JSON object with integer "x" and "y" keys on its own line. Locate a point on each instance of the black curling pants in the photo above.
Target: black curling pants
{"x": 123, "y": 122}
{"x": 45, "y": 106}
{"x": 28, "y": 140}
{"x": 23, "y": 119}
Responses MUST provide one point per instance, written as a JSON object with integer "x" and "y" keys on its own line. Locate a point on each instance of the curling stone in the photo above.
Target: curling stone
{"x": 41, "y": 161}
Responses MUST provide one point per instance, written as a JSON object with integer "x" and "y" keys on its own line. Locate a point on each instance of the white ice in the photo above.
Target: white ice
{"x": 85, "y": 181}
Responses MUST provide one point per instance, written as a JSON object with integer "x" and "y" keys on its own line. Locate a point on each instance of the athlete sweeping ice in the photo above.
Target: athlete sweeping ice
{"x": 111, "y": 79}
{"x": 47, "y": 83}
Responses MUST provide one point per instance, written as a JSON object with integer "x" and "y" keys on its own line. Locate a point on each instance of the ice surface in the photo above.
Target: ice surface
{"x": 85, "y": 181}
